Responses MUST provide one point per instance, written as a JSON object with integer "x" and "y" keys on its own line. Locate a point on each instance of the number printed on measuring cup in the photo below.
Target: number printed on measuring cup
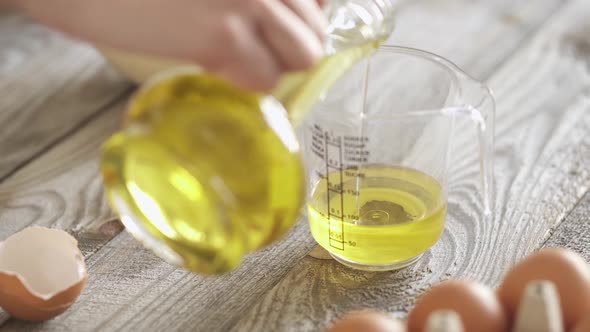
{"x": 317, "y": 141}
{"x": 342, "y": 157}
{"x": 355, "y": 149}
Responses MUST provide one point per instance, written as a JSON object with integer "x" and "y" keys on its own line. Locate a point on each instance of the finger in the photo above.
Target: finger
{"x": 311, "y": 13}
{"x": 292, "y": 41}
{"x": 251, "y": 64}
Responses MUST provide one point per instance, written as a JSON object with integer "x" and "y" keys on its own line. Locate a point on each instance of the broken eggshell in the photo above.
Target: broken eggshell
{"x": 42, "y": 272}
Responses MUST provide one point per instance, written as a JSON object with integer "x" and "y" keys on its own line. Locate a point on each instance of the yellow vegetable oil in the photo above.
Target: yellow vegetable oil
{"x": 377, "y": 216}
{"x": 204, "y": 173}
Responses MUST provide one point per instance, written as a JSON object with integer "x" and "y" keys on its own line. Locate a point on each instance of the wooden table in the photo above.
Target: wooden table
{"x": 59, "y": 100}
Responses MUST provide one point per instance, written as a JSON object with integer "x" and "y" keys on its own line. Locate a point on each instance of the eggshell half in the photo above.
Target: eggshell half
{"x": 42, "y": 272}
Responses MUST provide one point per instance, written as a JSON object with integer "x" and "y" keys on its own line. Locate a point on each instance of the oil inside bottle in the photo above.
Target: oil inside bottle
{"x": 378, "y": 216}
{"x": 204, "y": 175}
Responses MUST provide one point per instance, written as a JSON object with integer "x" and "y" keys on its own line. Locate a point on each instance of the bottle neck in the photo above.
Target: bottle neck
{"x": 354, "y": 22}
{"x": 356, "y": 28}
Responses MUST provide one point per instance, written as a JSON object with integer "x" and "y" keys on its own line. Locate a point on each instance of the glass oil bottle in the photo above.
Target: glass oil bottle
{"x": 203, "y": 173}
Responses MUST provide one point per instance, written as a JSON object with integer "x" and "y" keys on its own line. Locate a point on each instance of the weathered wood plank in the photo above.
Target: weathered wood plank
{"x": 61, "y": 188}
{"x": 476, "y": 35}
{"x": 49, "y": 86}
{"x": 129, "y": 289}
{"x": 134, "y": 278}
{"x": 574, "y": 232}
{"x": 543, "y": 149}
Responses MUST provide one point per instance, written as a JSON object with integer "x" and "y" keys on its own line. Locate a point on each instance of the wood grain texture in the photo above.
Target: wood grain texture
{"x": 133, "y": 290}
{"x": 49, "y": 86}
{"x": 477, "y": 35}
{"x": 543, "y": 149}
{"x": 62, "y": 189}
{"x": 574, "y": 232}
{"x": 130, "y": 289}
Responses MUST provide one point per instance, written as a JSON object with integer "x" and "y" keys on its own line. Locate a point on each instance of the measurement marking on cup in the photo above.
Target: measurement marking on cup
{"x": 333, "y": 159}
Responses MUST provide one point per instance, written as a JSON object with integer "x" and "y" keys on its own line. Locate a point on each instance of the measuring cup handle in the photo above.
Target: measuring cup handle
{"x": 483, "y": 111}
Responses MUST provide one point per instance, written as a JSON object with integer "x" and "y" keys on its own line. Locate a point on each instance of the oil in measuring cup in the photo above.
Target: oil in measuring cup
{"x": 372, "y": 216}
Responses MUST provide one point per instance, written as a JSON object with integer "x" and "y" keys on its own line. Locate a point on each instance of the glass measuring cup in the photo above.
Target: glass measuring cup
{"x": 377, "y": 150}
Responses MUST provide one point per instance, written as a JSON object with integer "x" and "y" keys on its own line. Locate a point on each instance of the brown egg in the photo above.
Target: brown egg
{"x": 583, "y": 325}
{"x": 477, "y": 306}
{"x": 42, "y": 272}
{"x": 366, "y": 321}
{"x": 567, "y": 270}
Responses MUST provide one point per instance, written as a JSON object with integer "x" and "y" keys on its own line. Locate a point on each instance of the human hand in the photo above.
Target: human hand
{"x": 250, "y": 43}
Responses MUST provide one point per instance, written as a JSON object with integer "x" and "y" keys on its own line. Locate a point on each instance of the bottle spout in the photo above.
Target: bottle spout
{"x": 356, "y": 28}
{"x": 298, "y": 92}
{"x": 354, "y": 22}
